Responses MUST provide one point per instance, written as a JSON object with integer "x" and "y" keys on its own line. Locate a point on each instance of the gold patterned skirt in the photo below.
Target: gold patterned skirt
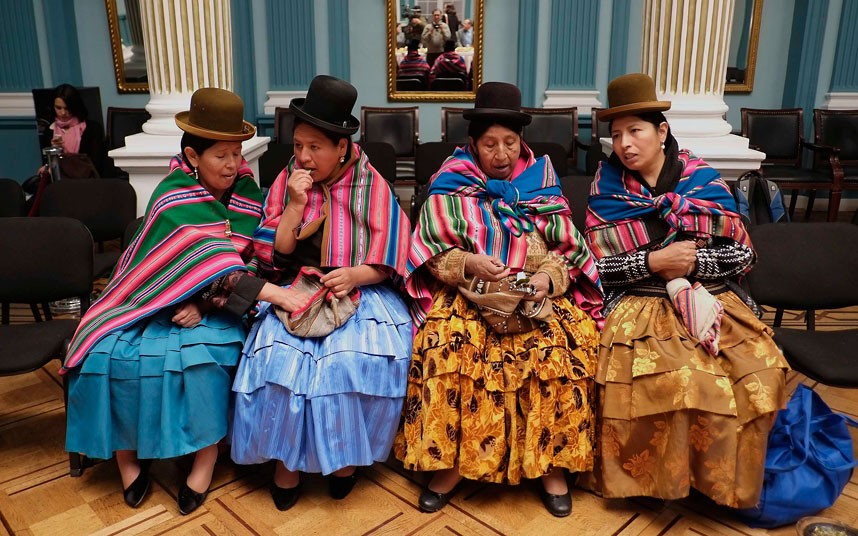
{"x": 501, "y": 407}
{"x": 672, "y": 416}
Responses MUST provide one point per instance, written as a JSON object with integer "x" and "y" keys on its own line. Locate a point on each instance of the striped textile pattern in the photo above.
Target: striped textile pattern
{"x": 700, "y": 205}
{"x": 468, "y": 210}
{"x": 180, "y": 248}
{"x": 363, "y": 224}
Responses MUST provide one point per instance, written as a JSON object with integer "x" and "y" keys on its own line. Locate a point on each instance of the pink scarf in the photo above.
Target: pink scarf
{"x": 70, "y": 131}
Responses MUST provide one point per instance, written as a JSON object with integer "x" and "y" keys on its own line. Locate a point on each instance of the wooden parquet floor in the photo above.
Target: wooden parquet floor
{"x": 38, "y": 497}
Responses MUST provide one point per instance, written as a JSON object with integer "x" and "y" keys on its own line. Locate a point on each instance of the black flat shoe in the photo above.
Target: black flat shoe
{"x": 285, "y": 498}
{"x": 432, "y": 501}
{"x": 136, "y": 492}
{"x": 340, "y": 486}
{"x": 557, "y": 505}
{"x": 189, "y": 500}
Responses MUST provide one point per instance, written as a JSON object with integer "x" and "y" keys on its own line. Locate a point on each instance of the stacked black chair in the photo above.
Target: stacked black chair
{"x": 46, "y": 259}
{"x": 430, "y": 156}
{"x": 104, "y": 206}
{"x": 808, "y": 268}
{"x": 121, "y": 123}
{"x": 555, "y": 125}
{"x": 12, "y": 201}
{"x": 838, "y": 129}
{"x": 454, "y": 127}
{"x": 398, "y": 126}
{"x": 284, "y": 122}
{"x": 272, "y": 162}
{"x": 382, "y": 156}
{"x": 593, "y": 153}
{"x": 780, "y": 134}
{"x": 555, "y": 152}
{"x": 576, "y": 190}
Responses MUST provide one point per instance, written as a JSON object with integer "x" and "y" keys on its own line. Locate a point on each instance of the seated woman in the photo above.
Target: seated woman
{"x": 151, "y": 364}
{"x": 326, "y": 404}
{"x": 689, "y": 379}
{"x": 500, "y": 401}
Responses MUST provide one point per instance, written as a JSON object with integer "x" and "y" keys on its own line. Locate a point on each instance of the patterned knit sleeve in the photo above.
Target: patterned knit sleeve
{"x": 449, "y": 266}
{"x": 723, "y": 259}
{"x": 234, "y": 293}
{"x": 620, "y": 270}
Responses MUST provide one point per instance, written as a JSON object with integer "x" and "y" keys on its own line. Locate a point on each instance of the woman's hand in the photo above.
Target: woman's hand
{"x": 485, "y": 267}
{"x": 298, "y": 184}
{"x": 57, "y": 141}
{"x": 187, "y": 315}
{"x": 678, "y": 259}
{"x": 341, "y": 281}
{"x": 541, "y": 283}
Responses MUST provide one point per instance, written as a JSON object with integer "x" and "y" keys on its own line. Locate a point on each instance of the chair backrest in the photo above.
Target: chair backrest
{"x": 284, "y": 123}
{"x": 397, "y": 126}
{"x": 36, "y": 269}
{"x": 272, "y": 162}
{"x": 599, "y": 129}
{"x": 410, "y": 84}
{"x": 454, "y": 127}
{"x": 105, "y": 206}
{"x": 448, "y": 84}
{"x": 43, "y": 100}
{"x": 382, "y": 157}
{"x": 555, "y": 152}
{"x": 805, "y": 266}
{"x": 576, "y": 190}
{"x": 123, "y": 122}
{"x": 430, "y": 156}
{"x": 838, "y": 128}
{"x": 554, "y": 125}
{"x": 778, "y": 133}
{"x": 12, "y": 201}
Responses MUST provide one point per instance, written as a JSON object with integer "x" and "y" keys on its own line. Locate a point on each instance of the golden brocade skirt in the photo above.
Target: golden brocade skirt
{"x": 672, "y": 416}
{"x": 501, "y": 407}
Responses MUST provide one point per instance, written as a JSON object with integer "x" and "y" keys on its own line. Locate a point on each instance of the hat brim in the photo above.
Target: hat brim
{"x": 519, "y": 118}
{"x": 297, "y": 106}
{"x": 633, "y": 109}
{"x": 248, "y": 130}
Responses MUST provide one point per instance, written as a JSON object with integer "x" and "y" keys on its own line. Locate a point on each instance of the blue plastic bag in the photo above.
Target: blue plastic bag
{"x": 808, "y": 462}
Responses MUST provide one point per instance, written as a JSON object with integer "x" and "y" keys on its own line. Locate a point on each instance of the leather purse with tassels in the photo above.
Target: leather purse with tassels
{"x": 321, "y": 312}
{"x": 503, "y": 306}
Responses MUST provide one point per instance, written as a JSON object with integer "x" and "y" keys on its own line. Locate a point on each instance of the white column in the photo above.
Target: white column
{"x": 685, "y": 45}
{"x": 188, "y": 46}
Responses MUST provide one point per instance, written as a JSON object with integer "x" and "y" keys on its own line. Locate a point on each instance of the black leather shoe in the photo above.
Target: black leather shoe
{"x": 189, "y": 500}
{"x": 432, "y": 501}
{"x": 136, "y": 492}
{"x": 285, "y": 498}
{"x": 340, "y": 486}
{"x": 557, "y": 505}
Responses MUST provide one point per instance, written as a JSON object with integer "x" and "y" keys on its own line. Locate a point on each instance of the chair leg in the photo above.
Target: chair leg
{"x": 779, "y": 318}
{"x": 810, "y": 318}
{"x": 5, "y": 314}
{"x": 793, "y": 198}
{"x": 811, "y": 197}
{"x": 34, "y": 307}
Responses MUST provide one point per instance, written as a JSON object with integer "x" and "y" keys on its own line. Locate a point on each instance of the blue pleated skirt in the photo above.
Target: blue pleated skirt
{"x": 321, "y": 404}
{"x": 155, "y": 387}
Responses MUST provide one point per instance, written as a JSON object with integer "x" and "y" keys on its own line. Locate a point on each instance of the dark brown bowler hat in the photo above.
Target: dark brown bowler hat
{"x": 328, "y": 105}
{"x": 498, "y": 101}
{"x": 216, "y": 114}
{"x": 632, "y": 94}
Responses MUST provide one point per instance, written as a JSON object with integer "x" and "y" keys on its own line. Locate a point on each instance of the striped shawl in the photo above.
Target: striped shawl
{"x": 180, "y": 249}
{"x": 468, "y": 210}
{"x": 700, "y": 205}
{"x": 364, "y": 223}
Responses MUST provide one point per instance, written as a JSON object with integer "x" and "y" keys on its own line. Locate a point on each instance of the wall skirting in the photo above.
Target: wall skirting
{"x": 17, "y": 105}
{"x": 281, "y": 99}
{"x": 841, "y": 101}
{"x": 562, "y": 98}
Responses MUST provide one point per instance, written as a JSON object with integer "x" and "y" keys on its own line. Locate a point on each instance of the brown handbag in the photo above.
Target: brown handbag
{"x": 503, "y": 307}
{"x": 322, "y": 312}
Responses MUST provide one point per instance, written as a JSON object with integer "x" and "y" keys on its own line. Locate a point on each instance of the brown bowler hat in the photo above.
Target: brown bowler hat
{"x": 632, "y": 94}
{"x": 216, "y": 114}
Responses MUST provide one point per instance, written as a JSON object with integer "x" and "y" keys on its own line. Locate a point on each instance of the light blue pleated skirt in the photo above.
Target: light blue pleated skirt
{"x": 321, "y": 404}
{"x": 155, "y": 387}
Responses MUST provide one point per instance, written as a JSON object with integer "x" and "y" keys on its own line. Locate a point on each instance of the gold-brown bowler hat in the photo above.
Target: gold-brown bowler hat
{"x": 632, "y": 94}
{"x": 216, "y": 114}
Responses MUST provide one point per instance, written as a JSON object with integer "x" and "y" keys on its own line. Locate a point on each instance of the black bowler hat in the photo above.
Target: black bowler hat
{"x": 498, "y": 101}
{"x": 328, "y": 105}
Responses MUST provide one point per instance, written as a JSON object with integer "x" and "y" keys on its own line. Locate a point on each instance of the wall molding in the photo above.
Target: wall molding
{"x": 63, "y": 48}
{"x": 244, "y": 58}
{"x": 282, "y": 99}
{"x": 618, "y": 56}
{"x": 574, "y": 43}
{"x": 583, "y": 99}
{"x": 841, "y": 101}
{"x": 528, "y": 33}
{"x": 339, "y": 58}
{"x": 20, "y": 68}
{"x": 291, "y": 43}
{"x": 844, "y": 77}
{"x": 17, "y": 105}
{"x": 805, "y": 57}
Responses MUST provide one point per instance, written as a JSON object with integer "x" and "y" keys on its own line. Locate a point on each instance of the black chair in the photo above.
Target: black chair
{"x": 838, "y": 129}
{"x": 780, "y": 134}
{"x": 430, "y": 156}
{"x": 555, "y": 152}
{"x": 576, "y": 190}
{"x": 398, "y": 126}
{"x": 593, "y": 153}
{"x": 284, "y": 123}
{"x": 40, "y": 271}
{"x": 454, "y": 127}
{"x": 12, "y": 201}
{"x": 382, "y": 157}
{"x": 410, "y": 84}
{"x": 554, "y": 125}
{"x": 272, "y": 162}
{"x": 807, "y": 268}
{"x": 447, "y": 84}
{"x": 124, "y": 122}
{"x": 105, "y": 206}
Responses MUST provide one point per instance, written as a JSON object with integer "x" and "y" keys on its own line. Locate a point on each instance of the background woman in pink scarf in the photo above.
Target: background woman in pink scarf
{"x": 70, "y": 128}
